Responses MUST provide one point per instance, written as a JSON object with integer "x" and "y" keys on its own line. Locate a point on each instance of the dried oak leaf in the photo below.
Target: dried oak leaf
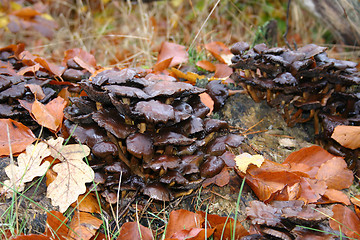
{"x": 29, "y": 167}
{"x": 83, "y": 226}
{"x": 245, "y": 159}
{"x": 134, "y": 230}
{"x": 20, "y": 137}
{"x": 347, "y": 136}
{"x": 72, "y": 173}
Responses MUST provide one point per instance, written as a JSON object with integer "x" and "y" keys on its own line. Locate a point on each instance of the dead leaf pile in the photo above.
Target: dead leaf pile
{"x": 310, "y": 174}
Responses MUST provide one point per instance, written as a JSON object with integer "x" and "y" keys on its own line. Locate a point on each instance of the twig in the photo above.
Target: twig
{"x": 287, "y": 25}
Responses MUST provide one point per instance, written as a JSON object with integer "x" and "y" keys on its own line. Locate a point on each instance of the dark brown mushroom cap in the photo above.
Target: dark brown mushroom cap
{"x": 99, "y": 178}
{"x": 218, "y": 145}
{"x": 308, "y": 105}
{"x": 239, "y": 48}
{"x": 157, "y": 191}
{"x": 112, "y": 121}
{"x": 329, "y": 122}
{"x": 173, "y": 177}
{"x": 311, "y": 50}
{"x": 275, "y": 59}
{"x": 4, "y": 82}
{"x": 191, "y": 126}
{"x": 84, "y": 104}
{"x": 95, "y": 94}
{"x": 190, "y": 164}
{"x": 104, "y": 149}
{"x": 275, "y": 233}
{"x": 171, "y": 138}
{"x": 301, "y": 65}
{"x": 118, "y": 167}
{"x": 199, "y": 109}
{"x": 211, "y": 166}
{"x": 260, "y": 48}
{"x": 292, "y": 56}
{"x": 113, "y": 76}
{"x": 286, "y": 78}
{"x": 275, "y": 50}
{"x": 155, "y": 111}
{"x": 214, "y": 125}
{"x": 163, "y": 162}
{"x": 13, "y": 92}
{"x": 183, "y": 107}
{"x": 124, "y": 91}
{"x": 121, "y": 107}
{"x": 75, "y": 114}
{"x": 140, "y": 145}
{"x": 218, "y": 92}
{"x": 73, "y": 75}
{"x": 173, "y": 89}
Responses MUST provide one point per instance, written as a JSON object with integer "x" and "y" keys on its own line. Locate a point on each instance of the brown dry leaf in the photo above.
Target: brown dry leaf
{"x": 189, "y": 76}
{"x": 20, "y": 137}
{"x": 220, "y": 179}
{"x": 208, "y": 66}
{"x": 336, "y": 196}
{"x": 83, "y": 226}
{"x": 208, "y": 101}
{"x": 86, "y": 57}
{"x": 347, "y": 136}
{"x": 175, "y": 51}
{"x": 29, "y": 167}
{"x": 32, "y": 69}
{"x": 65, "y": 94}
{"x": 245, "y": 159}
{"x": 161, "y": 66}
{"x": 87, "y": 203}
{"x": 56, "y": 227}
{"x": 36, "y": 90}
{"x": 311, "y": 190}
{"x": 182, "y": 220}
{"x": 131, "y": 231}
{"x": 50, "y": 115}
{"x": 335, "y": 173}
{"x": 222, "y": 70}
{"x": 220, "y": 51}
{"x": 72, "y": 173}
{"x": 31, "y": 237}
{"x": 193, "y": 234}
{"x": 91, "y": 69}
{"x": 350, "y": 223}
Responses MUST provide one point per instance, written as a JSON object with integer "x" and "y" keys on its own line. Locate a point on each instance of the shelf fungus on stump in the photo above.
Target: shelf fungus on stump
{"x": 303, "y": 84}
{"x": 148, "y": 133}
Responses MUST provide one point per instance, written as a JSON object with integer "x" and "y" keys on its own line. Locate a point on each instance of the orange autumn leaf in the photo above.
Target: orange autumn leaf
{"x": 175, "y": 51}
{"x": 222, "y": 70}
{"x": 350, "y": 222}
{"x": 36, "y": 90}
{"x": 31, "y": 237}
{"x": 347, "y": 136}
{"x": 182, "y": 220}
{"x": 81, "y": 54}
{"x": 220, "y": 51}
{"x": 311, "y": 190}
{"x": 207, "y": 100}
{"x": 83, "y": 226}
{"x": 56, "y": 225}
{"x": 20, "y": 137}
{"x": 50, "y": 115}
{"x": 161, "y": 66}
{"x": 220, "y": 179}
{"x": 131, "y": 231}
{"x": 336, "y": 196}
{"x": 208, "y": 66}
{"x": 87, "y": 203}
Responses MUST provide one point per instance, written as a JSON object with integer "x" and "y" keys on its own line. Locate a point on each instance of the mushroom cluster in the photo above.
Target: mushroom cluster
{"x": 303, "y": 84}
{"x": 148, "y": 132}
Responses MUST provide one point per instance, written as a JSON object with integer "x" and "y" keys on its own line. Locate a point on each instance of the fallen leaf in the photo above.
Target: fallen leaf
{"x": 193, "y": 234}
{"x": 336, "y": 174}
{"x": 161, "y": 66}
{"x": 50, "y": 115}
{"x": 86, "y": 57}
{"x": 350, "y": 223}
{"x": 83, "y": 226}
{"x": 33, "y": 69}
{"x": 56, "y": 227}
{"x": 87, "y": 203}
{"x": 347, "y": 136}
{"x": 220, "y": 51}
{"x": 222, "y": 71}
{"x": 182, "y": 220}
{"x": 189, "y": 76}
{"x": 29, "y": 166}
{"x": 311, "y": 190}
{"x": 208, "y": 66}
{"x": 336, "y": 196}
{"x": 20, "y": 137}
{"x": 131, "y": 231}
{"x": 65, "y": 94}
{"x": 175, "y": 51}
{"x": 245, "y": 159}
{"x": 72, "y": 173}
{"x": 36, "y": 90}
{"x": 31, "y": 237}
{"x": 91, "y": 69}
{"x": 208, "y": 101}
{"x": 220, "y": 179}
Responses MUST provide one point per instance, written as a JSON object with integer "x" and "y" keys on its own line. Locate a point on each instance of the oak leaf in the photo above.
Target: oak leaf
{"x": 29, "y": 167}
{"x": 245, "y": 159}
{"x": 72, "y": 173}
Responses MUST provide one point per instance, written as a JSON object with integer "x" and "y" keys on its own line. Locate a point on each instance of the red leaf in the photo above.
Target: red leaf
{"x": 161, "y": 66}
{"x": 131, "y": 231}
{"x": 56, "y": 225}
{"x": 219, "y": 50}
{"x": 182, "y": 220}
{"x": 175, "y": 51}
{"x": 350, "y": 223}
{"x": 32, "y": 237}
{"x": 20, "y": 137}
{"x": 83, "y": 226}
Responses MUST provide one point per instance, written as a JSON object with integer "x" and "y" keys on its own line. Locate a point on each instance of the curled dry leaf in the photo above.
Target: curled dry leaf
{"x": 208, "y": 66}
{"x": 347, "y": 136}
{"x": 29, "y": 167}
{"x": 72, "y": 173}
{"x": 220, "y": 51}
{"x": 207, "y": 101}
{"x": 83, "y": 226}
{"x": 134, "y": 230}
{"x": 56, "y": 227}
{"x": 175, "y": 51}
{"x": 182, "y": 220}
{"x": 20, "y": 137}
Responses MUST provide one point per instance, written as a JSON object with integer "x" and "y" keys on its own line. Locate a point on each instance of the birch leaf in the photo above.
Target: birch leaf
{"x": 29, "y": 166}
{"x": 72, "y": 173}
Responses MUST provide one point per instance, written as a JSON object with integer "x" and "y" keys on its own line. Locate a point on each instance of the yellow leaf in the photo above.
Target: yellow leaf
{"x": 245, "y": 159}
{"x": 72, "y": 173}
{"x": 4, "y": 21}
{"x": 29, "y": 166}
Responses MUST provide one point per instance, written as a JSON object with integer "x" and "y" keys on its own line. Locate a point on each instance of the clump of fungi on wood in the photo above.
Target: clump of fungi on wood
{"x": 303, "y": 84}
{"x": 148, "y": 133}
